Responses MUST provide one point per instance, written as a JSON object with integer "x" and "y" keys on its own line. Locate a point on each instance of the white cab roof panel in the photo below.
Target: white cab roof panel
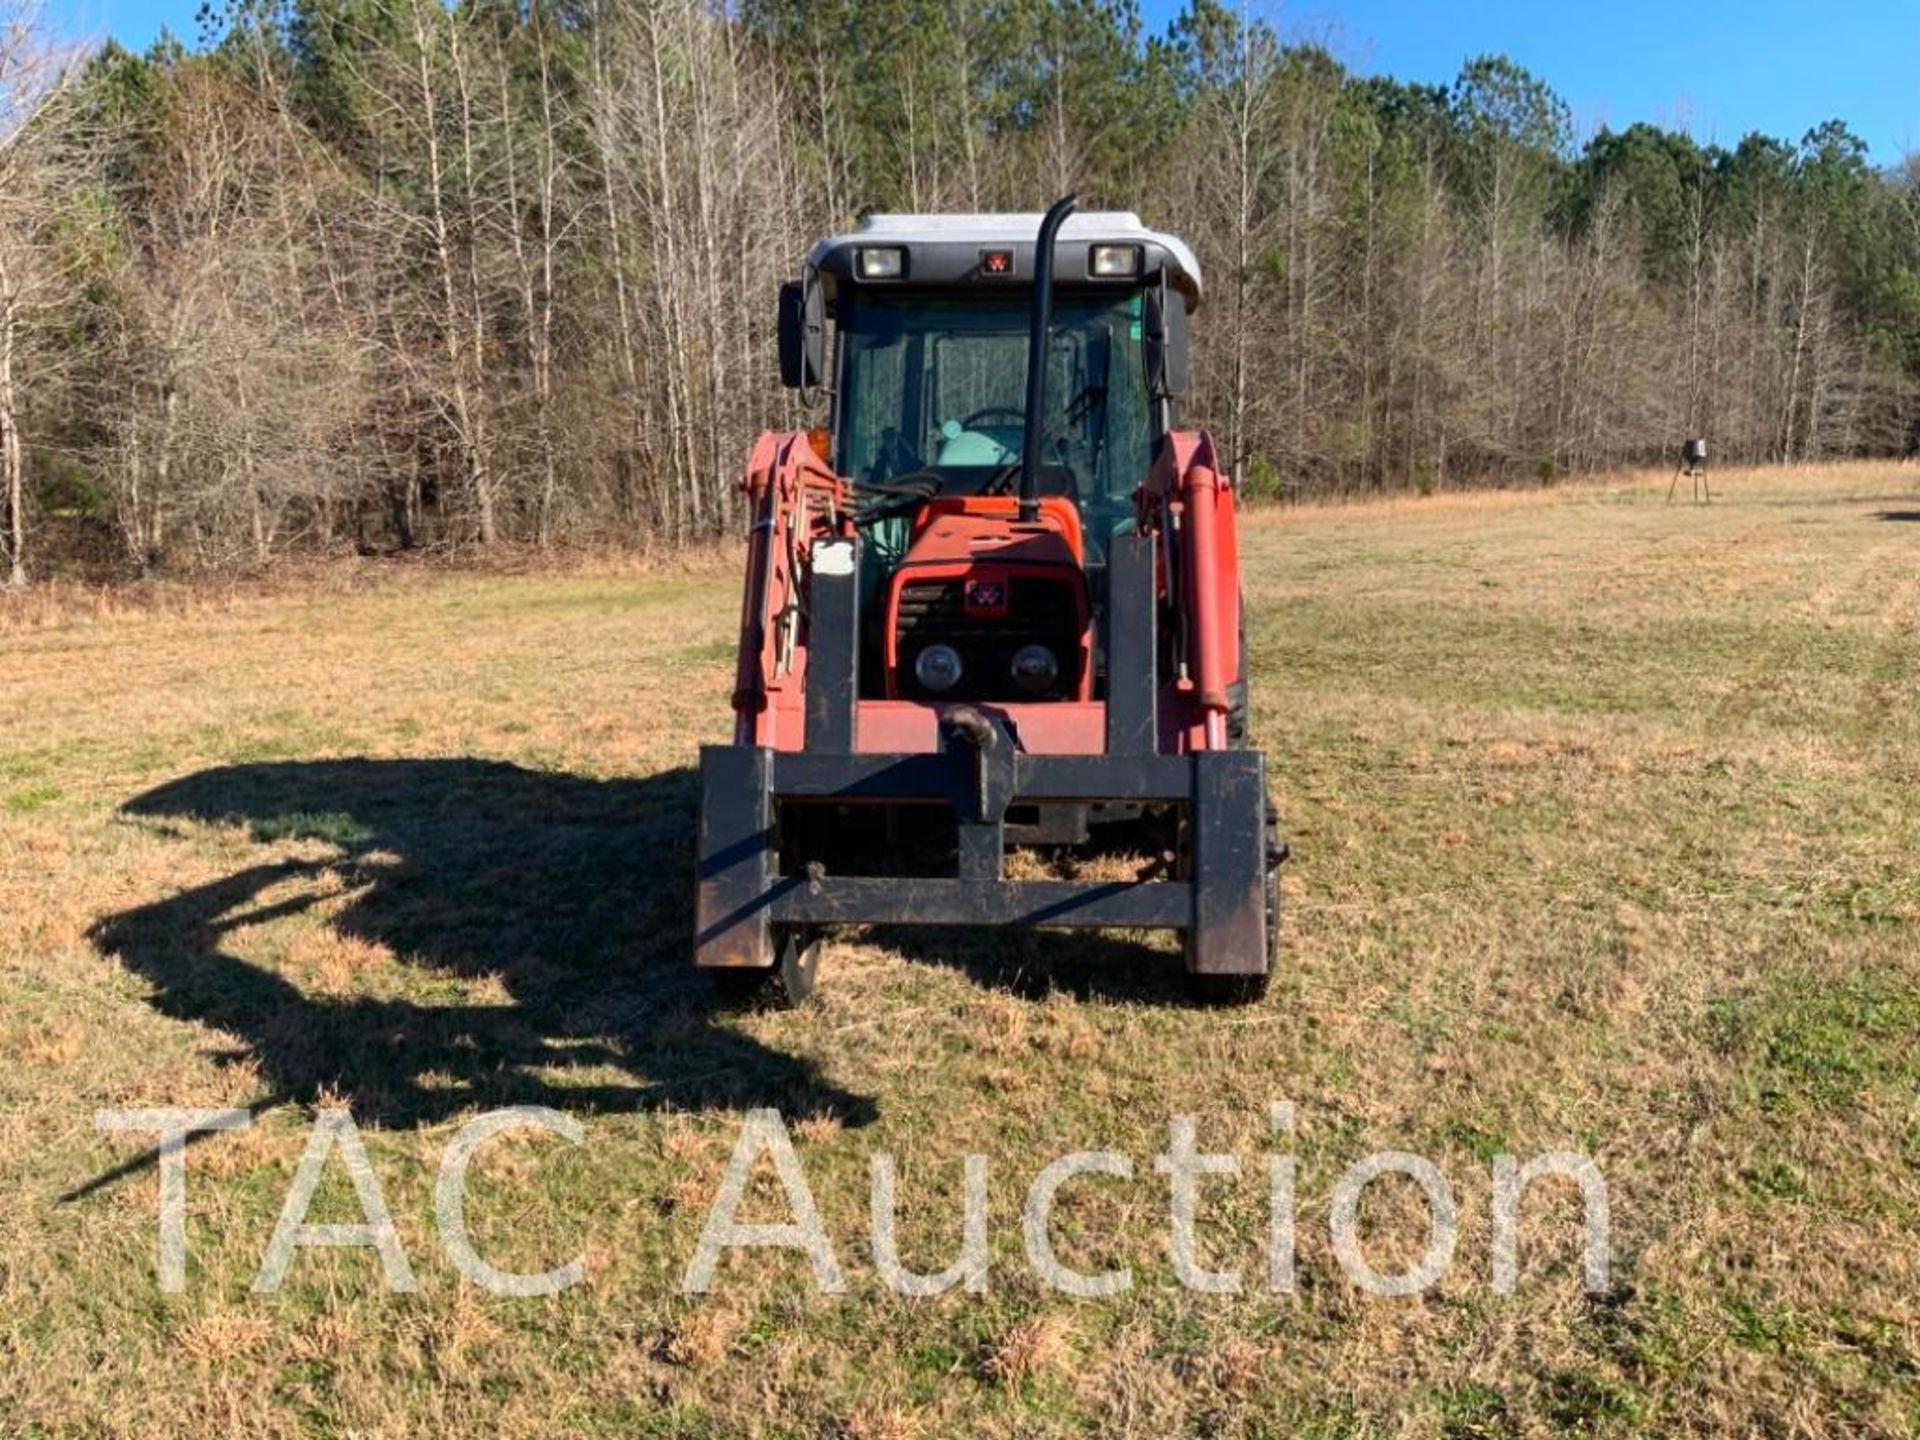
{"x": 1013, "y": 229}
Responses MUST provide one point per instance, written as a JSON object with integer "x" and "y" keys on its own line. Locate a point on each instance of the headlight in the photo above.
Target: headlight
{"x": 1035, "y": 669}
{"x": 938, "y": 668}
{"x": 1113, "y": 262}
{"x": 882, "y": 262}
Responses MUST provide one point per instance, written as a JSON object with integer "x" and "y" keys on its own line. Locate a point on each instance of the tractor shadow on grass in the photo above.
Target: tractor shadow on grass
{"x": 1033, "y": 964}
{"x": 569, "y": 897}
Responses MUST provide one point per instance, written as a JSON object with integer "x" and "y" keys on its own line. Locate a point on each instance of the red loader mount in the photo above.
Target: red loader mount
{"x": 996, "y": 603}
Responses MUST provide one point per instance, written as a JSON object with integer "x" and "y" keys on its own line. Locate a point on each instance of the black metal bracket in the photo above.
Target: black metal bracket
{"x": 980, "y": 774}
{"x": 833, "y": 645}
{"x": 1230, "y": 864}
{"x": 735, "y": 877}
{"x": 1133, "y": 651}
{"x": 980, "y": 752}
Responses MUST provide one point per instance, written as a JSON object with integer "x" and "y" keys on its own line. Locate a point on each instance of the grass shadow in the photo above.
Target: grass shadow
{"x": 1031, "y": 963}
{"x": 1908, "y": 516}
{"x": 1084, "y": 964}
{"x": 570, "y": 896}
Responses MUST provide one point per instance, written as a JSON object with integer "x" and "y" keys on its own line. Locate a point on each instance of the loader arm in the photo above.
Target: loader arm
{"x": 794, "y": 499}
{"x": 1189, "y": 504}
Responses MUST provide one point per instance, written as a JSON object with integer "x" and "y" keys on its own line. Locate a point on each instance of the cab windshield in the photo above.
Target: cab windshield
{"x": 933, "y": 387}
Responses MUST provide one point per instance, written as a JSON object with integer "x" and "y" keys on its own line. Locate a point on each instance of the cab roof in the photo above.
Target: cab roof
{"x": 946, "y": 250}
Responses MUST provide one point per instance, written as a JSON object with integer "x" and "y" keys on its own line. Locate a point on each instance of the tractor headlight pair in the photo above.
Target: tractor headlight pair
{"x": 1034, "y": 669}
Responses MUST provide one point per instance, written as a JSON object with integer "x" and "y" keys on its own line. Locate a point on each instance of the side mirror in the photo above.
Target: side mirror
{"x": 803, "y": 334}
{"x": 1165, "y": 339}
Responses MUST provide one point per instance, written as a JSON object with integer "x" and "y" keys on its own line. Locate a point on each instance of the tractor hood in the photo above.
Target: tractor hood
{"x": 982, "y": 528}
{"x": 987, "y": 589}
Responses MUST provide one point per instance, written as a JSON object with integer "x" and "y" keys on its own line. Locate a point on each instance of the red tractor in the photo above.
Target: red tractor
{"x": 995, "y": 603}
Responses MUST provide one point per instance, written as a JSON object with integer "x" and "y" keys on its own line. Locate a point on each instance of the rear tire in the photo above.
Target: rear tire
{"x": 784, "y": 985}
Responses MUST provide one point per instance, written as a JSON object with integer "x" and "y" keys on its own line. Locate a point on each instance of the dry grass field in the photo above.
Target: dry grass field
{"x": 1605, "y": 830}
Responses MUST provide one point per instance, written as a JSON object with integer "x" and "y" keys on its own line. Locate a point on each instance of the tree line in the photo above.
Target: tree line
{"x": 409, "y": 273}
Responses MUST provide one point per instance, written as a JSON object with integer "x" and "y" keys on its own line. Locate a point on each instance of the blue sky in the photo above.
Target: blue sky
{"x": 1714, "y": 67}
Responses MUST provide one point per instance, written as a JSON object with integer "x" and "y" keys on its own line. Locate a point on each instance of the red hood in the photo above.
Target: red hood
{"x": 976, "y": 527}
{"x": 980, "y": 543}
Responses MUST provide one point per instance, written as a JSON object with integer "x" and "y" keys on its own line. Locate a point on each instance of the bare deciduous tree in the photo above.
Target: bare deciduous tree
{"x": 433, "y": 273}
{"x": 37, "y": 161}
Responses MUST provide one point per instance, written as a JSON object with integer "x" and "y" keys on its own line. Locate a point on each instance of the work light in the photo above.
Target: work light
{"x": 885, "y": 262}
{"x": 938, "y": 669}
{"x": 1113, "y": 262}
{"x": 1035, "y": 669}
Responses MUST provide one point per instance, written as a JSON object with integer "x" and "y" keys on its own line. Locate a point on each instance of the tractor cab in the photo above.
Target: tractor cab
{"x": 968, "y": 596}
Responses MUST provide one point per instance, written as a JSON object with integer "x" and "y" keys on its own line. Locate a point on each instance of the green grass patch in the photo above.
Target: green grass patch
{"x": 1809, "y": 1041}
{"x": 29, "y": 798}
{"x": 336, "y": 828}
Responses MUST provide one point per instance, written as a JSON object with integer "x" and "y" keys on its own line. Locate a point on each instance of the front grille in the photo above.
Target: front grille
{"x": 1040, "y": 612}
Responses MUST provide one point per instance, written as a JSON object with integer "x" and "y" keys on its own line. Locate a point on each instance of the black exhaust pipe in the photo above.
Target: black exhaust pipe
{"x": 1032, "y": 455}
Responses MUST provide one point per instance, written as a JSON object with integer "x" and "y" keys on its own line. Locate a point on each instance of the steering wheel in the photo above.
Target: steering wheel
{"x": 1006, "y": 413}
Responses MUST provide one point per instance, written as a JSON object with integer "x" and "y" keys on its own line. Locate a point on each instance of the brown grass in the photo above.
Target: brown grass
{"x": 1604, "y": 831}
{"x": 62, "y": 602}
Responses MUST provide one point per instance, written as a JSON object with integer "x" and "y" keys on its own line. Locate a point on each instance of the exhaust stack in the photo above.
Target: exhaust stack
{"x": 1033, "y": 451}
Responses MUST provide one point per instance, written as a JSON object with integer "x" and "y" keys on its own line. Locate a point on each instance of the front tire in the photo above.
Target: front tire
{"x": 1227, "y": 992}
{"x": 1239, "y": 989}
{"x": 1239, "y": 708}
{"x": 786, "y": 984}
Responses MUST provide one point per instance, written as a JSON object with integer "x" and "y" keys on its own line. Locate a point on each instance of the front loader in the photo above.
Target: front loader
{"x": 993, "y": 604}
